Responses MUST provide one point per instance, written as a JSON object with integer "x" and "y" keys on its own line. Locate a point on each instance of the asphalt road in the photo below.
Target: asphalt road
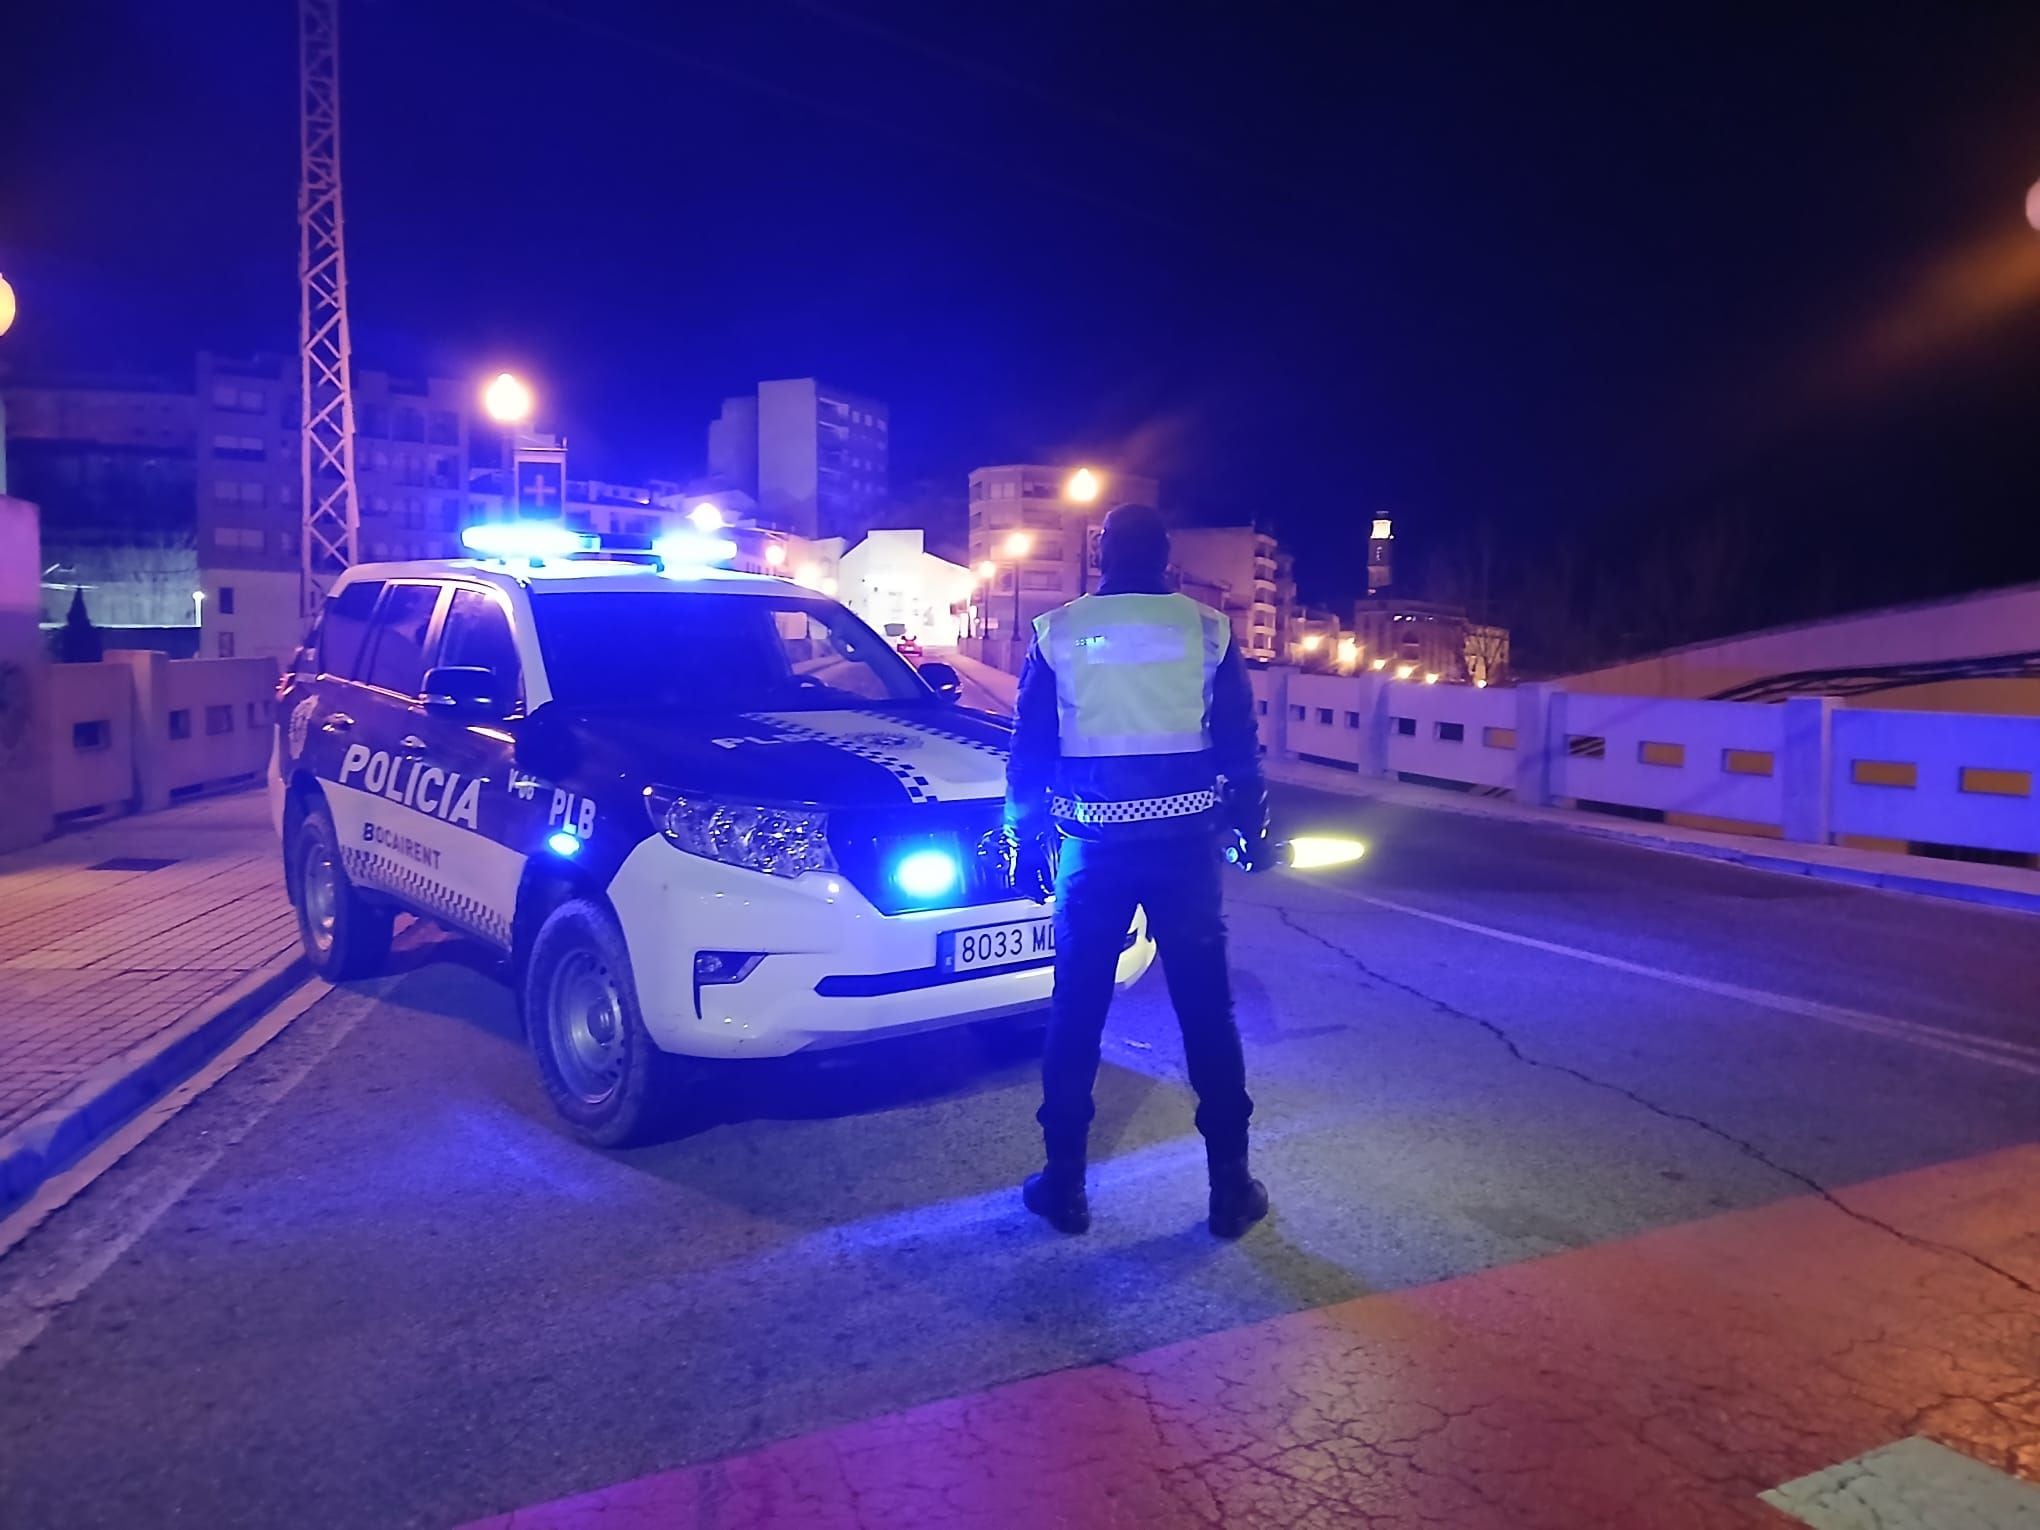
{"x": 366, "y": 1281}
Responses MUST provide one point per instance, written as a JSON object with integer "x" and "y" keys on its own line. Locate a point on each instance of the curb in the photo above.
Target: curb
{"x": 57, "y": 1136}
{"x": 2008, "y": 899}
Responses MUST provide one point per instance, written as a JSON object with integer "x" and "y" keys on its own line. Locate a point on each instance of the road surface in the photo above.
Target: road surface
{"x": 367, "y": 1281}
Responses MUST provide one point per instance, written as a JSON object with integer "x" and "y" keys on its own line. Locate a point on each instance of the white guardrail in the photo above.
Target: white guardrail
{"x": 1804, "y": 769}
{"x": 140, "y": 730}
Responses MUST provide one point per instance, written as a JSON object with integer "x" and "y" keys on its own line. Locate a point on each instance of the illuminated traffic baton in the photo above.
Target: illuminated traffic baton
{"x": 1306, "y": 852}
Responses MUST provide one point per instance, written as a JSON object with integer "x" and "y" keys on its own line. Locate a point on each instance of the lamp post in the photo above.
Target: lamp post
{"x": 7, "y": 306}
{"x": 1083, "y": 488}
{"x": 508, "y": 401}
{"x": 1017, "y": 546}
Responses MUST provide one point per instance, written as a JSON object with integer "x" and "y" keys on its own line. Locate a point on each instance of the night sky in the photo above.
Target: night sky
{"x": 1582, "y": 277}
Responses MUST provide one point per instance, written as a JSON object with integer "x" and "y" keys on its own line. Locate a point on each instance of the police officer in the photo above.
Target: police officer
{"x": 1134, "y": 755}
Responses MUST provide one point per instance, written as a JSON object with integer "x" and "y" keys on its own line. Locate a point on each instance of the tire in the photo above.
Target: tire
{"x": 610, "y": 1082}
{"x": 345, "y": 936}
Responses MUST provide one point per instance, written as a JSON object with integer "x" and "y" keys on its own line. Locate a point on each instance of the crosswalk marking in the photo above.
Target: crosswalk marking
{"x": 1914, "y": 1484}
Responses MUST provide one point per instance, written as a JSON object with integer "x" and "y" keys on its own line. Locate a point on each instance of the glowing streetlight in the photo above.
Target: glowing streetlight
{"x": 1379, "y": 664}
{"x": 988, "y": 571}
{"x": 507, "y": 400}
{"x": 1349, "y": 653}
{"x": 1404, "y": 671}
{"x": 1018, "y": 545}
{"x": 1311, "y": 642}
{"x": 707, "y": 517}
{"x": 1084, "y": 487}
{"x": 7, "y": 307}
{"x": 1431, "y": 678}
{"x": 775, "y": 554}
{"x": 198, "y": 608}
{"x": 2032, "y": 217}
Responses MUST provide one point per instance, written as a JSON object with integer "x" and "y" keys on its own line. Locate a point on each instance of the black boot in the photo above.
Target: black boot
{"x": 1057, "y": 1196}
{"x": 1238, "y": 1200}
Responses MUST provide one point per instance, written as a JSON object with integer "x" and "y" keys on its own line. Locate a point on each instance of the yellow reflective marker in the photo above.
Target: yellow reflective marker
{"x": 1309, "y": 852}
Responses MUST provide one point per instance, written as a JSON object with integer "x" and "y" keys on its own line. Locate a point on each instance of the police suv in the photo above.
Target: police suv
{"x": 704, "y": 814}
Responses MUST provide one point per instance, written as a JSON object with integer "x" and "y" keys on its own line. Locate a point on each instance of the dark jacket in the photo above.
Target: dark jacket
{"x": 1037, "y": 772}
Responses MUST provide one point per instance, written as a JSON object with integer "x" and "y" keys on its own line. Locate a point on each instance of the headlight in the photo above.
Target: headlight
{"x": 781, "y": 842}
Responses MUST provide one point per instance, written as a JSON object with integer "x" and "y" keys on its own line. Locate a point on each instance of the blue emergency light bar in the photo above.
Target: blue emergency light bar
{"x": 525, "y": 541}
{"x": 693, "y": 549}
{"x": 538, "y": 542}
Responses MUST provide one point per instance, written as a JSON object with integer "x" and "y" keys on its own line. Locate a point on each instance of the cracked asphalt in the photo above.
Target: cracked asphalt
{"x": 1611, "y": 1188}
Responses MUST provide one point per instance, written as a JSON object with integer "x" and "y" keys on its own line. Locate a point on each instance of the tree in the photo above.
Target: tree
{"x": 78, "y": 641}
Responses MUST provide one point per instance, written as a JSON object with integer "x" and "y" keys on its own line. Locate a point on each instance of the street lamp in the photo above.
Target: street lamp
{"x": 7, "y": 307}
{"x": 1083, "y": 488}
{"x": 509, "y": 402}
{"x": 2032, "y": 217}
{"x": 1017, "y": 546}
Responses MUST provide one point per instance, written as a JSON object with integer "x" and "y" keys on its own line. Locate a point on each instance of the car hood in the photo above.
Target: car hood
{"x": 841, "y": 758}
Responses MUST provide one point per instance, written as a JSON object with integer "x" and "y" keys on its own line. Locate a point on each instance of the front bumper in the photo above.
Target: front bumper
{"x": 835, "y": 970}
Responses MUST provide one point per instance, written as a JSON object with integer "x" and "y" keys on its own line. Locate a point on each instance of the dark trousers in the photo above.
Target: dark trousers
{"x": 1177, "y": 880}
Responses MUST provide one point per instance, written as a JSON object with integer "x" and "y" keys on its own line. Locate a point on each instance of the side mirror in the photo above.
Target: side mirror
{"x": 947, "y": 682}
{"x": 459, "y": 690}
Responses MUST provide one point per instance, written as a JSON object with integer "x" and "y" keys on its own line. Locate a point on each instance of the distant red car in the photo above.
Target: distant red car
{"x": 909, "y": 649}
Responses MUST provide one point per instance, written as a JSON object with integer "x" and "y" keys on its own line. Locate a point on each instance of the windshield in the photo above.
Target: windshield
{"x": 715, "y": 653}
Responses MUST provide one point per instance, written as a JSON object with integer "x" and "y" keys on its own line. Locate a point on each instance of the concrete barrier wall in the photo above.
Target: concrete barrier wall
{"x": 91, "y": 738}
{"x": 1806, "y": 769}
{"x": 141, "y": 730}
{"x": 1937, "y": 777}
{"x": 225, "y": 707}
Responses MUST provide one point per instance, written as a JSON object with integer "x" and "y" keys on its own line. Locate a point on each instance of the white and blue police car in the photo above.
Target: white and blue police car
{"x": 703, "y": 814}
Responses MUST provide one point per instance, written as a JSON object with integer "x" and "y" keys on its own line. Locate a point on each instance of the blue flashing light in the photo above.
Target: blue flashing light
{"x": 525, "y": 541}
{"x": 566, "y": 846}
{"x": 925, "y": 875}
{"x": 693, "y": 549}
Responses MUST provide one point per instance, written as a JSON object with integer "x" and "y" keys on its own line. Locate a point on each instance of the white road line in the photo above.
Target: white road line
{"x": 22, "y": 1322}
{"x": 1915, "y": 1484}
{"x": 2016, "y": 1057}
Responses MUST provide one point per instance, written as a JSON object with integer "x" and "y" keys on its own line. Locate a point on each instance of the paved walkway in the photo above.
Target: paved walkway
{"x": 111, "y": 935}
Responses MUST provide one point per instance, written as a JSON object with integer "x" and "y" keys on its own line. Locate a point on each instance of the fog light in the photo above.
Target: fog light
{"x": 724, "y": 966}
{"x": 926, "y": 874}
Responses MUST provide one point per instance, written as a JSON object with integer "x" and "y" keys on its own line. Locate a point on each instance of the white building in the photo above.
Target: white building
{"x": 895, "y": 584}
{"x": 815, "y": 457}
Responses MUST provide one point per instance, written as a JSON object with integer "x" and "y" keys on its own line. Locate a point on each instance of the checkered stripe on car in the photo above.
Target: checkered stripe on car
{"x": 425, "y": 893}
{"x": 1142, "y": 810}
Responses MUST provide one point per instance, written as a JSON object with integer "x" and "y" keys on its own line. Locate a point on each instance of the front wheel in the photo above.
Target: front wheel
{"x": 602, "y": 1070}
{"x": 344, "y": 935}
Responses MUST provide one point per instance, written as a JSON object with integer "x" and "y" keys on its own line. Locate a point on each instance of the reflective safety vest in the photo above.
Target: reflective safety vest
{"x": 1133, "y": 673}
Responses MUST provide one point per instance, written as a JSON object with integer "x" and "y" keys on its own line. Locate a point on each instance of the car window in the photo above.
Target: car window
{"x": 695, "y": 652}
{"x": 396, "y": 659}
{"x": 343, "y": 628}
{"x": 476, "y": 634}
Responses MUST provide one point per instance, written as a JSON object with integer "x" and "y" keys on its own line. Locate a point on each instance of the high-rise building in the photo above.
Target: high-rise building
{"x": 175, "y": 499}
{"x": 1030, "y": 500}
{"x": 1241, "y": 561}
{"x": 815, "y": 457}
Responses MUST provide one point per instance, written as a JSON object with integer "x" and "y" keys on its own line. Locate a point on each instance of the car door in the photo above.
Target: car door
{"x": 374, "y": 791}
{"x": 478, "y": 826}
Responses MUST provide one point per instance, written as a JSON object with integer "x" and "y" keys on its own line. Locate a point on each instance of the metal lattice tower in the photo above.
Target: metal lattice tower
{"x": 332, "y": 511}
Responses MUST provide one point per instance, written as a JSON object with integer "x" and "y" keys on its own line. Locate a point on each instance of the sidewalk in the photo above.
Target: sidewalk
{"x": 2003, "y": 887}
{"x": 120, "y": 946}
